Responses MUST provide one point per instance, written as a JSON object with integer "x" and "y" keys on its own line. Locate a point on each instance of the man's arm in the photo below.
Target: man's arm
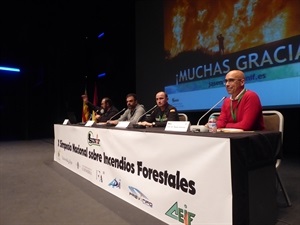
{"x": 224, "y": 115}
{"x": 140, "y": 110}
{"x": 124, "y": 116}
{"x": 92, "y": 107}
{"x": 109, "y": 114}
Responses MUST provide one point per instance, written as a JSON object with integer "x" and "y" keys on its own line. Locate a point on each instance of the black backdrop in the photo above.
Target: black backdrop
{"x": 56, "y": 47}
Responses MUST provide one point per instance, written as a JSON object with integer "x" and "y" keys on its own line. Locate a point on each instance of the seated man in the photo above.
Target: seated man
{"x": 133, "y": 112}
{"x": 162, "y": 114}
{"x": 243, "y": 109}
{"x": 105, "y": 112}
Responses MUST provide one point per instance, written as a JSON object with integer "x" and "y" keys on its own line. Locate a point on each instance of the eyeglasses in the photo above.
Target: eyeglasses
{"x": 230, "y": 80}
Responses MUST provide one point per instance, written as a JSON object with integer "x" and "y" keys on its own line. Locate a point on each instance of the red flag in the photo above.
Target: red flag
{"x": 95, "y": 101}
{"x": 85, "y": 110}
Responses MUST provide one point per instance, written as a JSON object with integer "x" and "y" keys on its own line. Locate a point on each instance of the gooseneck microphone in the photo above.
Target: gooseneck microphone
{"x": 202, "y": 128}
{"x": 99, "y": 111}
{"x": 150, "y": 110}
{"x": 118, "y": 113}
{"x": 210, "y": 110}
{"x": 141, "y": 126}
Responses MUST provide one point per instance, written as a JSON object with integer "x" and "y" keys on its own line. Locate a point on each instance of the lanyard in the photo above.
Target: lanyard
{"x": 233, "y": 111}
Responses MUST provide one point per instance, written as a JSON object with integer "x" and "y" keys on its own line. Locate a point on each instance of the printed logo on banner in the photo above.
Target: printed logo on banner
{"x": 137, "y": 194}
{"x": 69, "y": 161}
{"x": 86, "y": 169}
{"x": 99, "y": 176}
{"x": 181, "y": 215}
{"x": 115, "y": 184}
{"x": 93, "y": 140}
{"x": 58, "y": 154}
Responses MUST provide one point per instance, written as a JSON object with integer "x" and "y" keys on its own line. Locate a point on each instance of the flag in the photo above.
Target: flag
{"x": 85, "y": 110}
{"x": 95, "y": 102}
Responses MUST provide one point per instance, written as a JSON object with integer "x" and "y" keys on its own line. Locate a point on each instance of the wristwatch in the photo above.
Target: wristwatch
{"x": 153, "y": 124}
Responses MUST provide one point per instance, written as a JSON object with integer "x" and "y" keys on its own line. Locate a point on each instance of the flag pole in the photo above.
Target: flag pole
{"x": 85, "y": 108}
{"x": 95, "y": 101}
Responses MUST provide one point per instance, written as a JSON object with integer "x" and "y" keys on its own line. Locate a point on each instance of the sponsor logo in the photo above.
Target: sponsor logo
{"x": 58, "y": 154}
{"x": 93, "y": 140}
{"x": 69, "y": 161}
{"x": 115, "y": 184}
{"x": 86, "y": 169}
{"x": 181, "y": 215}
{"x": 99, "y": 176}
{"x": 137, "y": 194}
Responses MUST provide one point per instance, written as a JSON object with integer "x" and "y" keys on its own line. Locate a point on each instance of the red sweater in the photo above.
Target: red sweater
{"x": 248, "y": 113}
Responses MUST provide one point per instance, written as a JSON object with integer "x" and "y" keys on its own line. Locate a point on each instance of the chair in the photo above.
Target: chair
{"x": 274, "y": 121}
{"x": 183, "y": 117}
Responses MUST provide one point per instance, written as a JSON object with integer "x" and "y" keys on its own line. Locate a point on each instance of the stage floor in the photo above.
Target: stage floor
{"x": 36, "y": 190}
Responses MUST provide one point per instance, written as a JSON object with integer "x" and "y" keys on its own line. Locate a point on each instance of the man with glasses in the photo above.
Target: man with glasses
{"x": 243, "y": 109}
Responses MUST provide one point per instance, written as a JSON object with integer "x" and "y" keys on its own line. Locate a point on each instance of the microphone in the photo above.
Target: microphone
{"x": 146, "y": 113}
{"x": 100, "y": 111}
{"x": 118, "y": 113}
{"x": 141, "y": 126}
{"x": 202, "y": 128}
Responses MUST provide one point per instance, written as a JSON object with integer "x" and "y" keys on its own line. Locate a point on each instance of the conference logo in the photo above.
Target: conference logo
{"x": 115, "y": 184}
{"x": 175, "y": 100}
{"x": 180, "y": 214}
{"x": 138, "y": 195}
{"x": 92, "y": 140}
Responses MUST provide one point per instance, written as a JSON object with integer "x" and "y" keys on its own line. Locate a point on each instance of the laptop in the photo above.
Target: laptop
{"x": 72, "y": 118}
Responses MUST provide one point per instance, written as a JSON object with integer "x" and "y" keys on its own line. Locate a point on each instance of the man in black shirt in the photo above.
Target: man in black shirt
{"x": 162, "y": 114}
{"x": 103, "y": 113}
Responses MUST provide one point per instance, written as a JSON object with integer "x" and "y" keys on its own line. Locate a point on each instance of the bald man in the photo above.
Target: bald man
{"x": 163, "y": 113}
{"x": 243, "y": 109}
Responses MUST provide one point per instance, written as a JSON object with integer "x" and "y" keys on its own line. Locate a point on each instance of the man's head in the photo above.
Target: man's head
{"x": 234, "y": 82}
{"x": 131, "y": 101}
{"x": 161, "y": 99}
{"x": 106, "y": 103}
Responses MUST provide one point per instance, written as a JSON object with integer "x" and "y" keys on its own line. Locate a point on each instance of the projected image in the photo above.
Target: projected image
{"x": 203, "y": 40}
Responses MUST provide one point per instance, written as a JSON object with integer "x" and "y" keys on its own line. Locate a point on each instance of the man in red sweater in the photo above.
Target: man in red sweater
{"x": 243, "y": 109}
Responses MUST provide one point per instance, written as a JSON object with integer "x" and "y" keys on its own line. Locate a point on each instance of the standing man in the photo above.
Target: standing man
{"x": 243, "y": 109}
{"x": 162, "y": 114}
{"x": 221, "y": 44}
{"x": 133, "y": 112}
{"x": 105, "y": 111}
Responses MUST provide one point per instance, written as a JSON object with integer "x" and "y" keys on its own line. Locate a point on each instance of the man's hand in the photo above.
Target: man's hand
{"x": 146, "y": 124}
{"x": 84, "y": 98}
{"x": 112, "y": 122}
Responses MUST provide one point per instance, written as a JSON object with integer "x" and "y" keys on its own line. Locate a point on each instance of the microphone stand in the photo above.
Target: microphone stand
{"x": 203, "y": 128}
{"x": 210, "y": 110}
{"x": 141, "y": 126}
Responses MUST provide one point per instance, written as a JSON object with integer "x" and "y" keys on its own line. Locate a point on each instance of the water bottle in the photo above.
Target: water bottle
{"x": 212, "y": 124}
